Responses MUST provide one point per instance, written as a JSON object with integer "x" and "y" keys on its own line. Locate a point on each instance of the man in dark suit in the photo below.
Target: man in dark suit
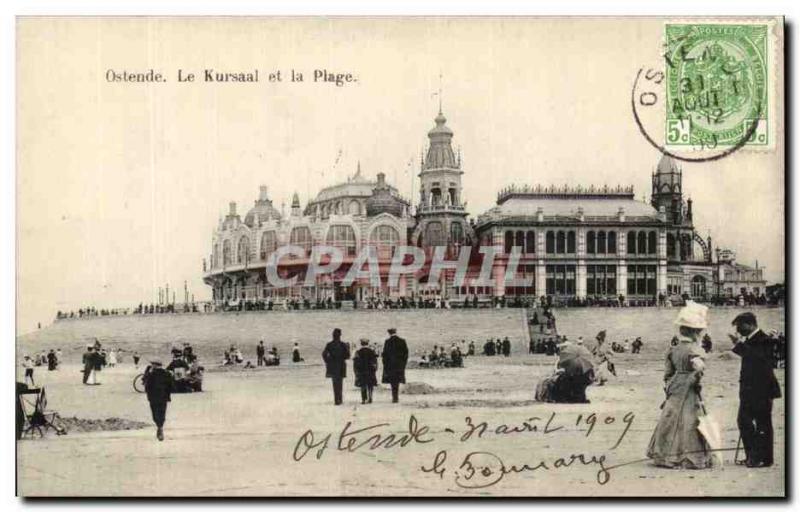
{"x": 158, "y": 386}
{"x": 395, "y": 357}
{"x": 88, "y": 363}
{"x": 260, "y": 352}
{"x": 757, "y": 388}
{"x": 335, "y": 355}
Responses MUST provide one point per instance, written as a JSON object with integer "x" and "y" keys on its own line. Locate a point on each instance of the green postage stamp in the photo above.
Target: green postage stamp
{"x": 718, "y": 85}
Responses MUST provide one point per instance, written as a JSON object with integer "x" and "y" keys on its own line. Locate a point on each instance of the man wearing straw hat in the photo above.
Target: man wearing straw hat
{"x": 757, "y": 388}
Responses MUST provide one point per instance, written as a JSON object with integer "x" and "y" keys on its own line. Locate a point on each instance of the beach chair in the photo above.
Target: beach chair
{"x": 36, "y": 418}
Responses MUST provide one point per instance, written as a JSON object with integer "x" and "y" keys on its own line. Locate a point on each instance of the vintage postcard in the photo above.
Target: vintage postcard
{"x": 401, "y": 257}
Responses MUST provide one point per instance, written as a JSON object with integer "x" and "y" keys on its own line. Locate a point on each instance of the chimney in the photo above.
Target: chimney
{"x": 232, "y": 207}
{"x": 539, "y": 214}
{"x": 262, "y": 193}
{"x": 381, "y": 180}
{"x": 621, "y": 214}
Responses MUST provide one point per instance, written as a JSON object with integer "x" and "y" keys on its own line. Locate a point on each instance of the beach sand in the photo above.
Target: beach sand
{"x": 240, "y": 436}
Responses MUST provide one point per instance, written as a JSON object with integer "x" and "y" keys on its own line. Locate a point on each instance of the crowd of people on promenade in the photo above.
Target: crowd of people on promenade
{"x": 380, "y": 302}
{"x": 91, "y": 312}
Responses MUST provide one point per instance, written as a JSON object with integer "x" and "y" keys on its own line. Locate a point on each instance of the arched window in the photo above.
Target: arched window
{"x": 651, "y": 242}
{"x": 243, "y": 250}
{"x": 508, "y": 242}
{"x": 457, "y": 233}
{"x": 631, "y": 242}
{"x": 698, "y": 287}
{"x": 530, "y": 242}
{"x": 343, "y": 237}
{"x": 591, "y": 246}
{"x": 354, "y": 208}
{"x": 226, "y": 252}
{"x": 670, "y": 246}
{"x": 519, "y": 240}
{"x": 570, "y": 242}
{"x": 601, "y": 242}
{"x": 550, "y": 242}
{"x": 561, "y": 242}
{"x": 269, "y": 242}
{"x": 434, "y": 234}
{"x": 301, "y": 237}
{"x": 385, "y": 238}
{"x": 612, "y": 242}
{"x": 641, "y": 245}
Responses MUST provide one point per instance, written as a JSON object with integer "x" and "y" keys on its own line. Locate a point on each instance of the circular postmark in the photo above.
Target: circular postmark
{"x": 710, "y": 96}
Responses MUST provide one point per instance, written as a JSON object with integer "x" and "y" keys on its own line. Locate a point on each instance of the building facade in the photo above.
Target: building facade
{"x": 570, "y": 243}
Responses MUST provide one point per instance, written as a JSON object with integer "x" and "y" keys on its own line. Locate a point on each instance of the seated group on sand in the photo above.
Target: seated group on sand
{"x": 576, "y": 368}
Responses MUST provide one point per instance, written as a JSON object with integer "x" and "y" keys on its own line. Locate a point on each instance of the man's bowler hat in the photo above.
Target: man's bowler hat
{"x": 746, "y": 317}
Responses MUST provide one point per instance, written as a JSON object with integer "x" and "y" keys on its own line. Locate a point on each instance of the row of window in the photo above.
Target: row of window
{"x": 597, "y": 242}
{"x": 342, "y": 236}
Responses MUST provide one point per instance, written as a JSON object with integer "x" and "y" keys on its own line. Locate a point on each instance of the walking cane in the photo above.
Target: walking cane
{"x": 736, "y": 453}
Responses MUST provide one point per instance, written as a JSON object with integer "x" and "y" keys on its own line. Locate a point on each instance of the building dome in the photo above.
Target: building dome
{"x": 262, "y": 211}
{"x": 441, "y": 127}
{"x": 383, "y": 201}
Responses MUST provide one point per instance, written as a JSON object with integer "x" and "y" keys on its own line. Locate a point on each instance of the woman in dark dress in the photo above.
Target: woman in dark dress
{"x": 365, "y": 367}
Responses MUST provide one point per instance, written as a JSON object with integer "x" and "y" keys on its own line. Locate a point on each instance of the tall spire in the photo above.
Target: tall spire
{"x": 440, "y": 93}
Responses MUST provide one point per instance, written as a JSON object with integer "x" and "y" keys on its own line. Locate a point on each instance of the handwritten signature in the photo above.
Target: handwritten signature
{"x": 479, "y": 470}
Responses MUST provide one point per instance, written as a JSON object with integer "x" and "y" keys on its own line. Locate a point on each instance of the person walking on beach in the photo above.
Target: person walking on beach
{"x": 395, "y": 357}
{"x": 365, "y": 367}
{"x": 676, "y": 441}
{"x": 27, "y": 364}
{"x": 136, "y": 358}
{"x": 260, "y": 353}
{"x": 757, "y": 388}
{"x": 506, "y": 347}
{"x": 92, "y": 361}
{"x": 158, "y": 386}
{"x": 335, "y": 355}
{"x": 52, "y": 362}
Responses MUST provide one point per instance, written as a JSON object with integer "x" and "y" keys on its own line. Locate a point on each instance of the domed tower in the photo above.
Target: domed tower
{"x": 262, "y": 210}
{"x": 668, "y": 190}
{"x": 383, "y": 201}
{"x": 441, "y": 214}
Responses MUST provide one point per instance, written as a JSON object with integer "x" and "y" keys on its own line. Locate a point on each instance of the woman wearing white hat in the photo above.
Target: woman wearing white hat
{"x": 676, "y": 441}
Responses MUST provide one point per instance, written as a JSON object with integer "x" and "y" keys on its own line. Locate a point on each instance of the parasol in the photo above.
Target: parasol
{"x": 575, "y": 359}
{"x": 710, "y": 431}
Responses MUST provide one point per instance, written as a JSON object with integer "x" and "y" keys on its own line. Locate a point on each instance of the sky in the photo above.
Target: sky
{"x": 120, "y": 185}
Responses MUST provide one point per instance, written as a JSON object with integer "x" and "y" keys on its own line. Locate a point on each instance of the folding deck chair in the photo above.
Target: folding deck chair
{"x": 36, "y": 418}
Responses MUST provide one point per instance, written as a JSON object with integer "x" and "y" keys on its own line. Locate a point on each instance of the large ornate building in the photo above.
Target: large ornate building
{"x": 575, "y": 243}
